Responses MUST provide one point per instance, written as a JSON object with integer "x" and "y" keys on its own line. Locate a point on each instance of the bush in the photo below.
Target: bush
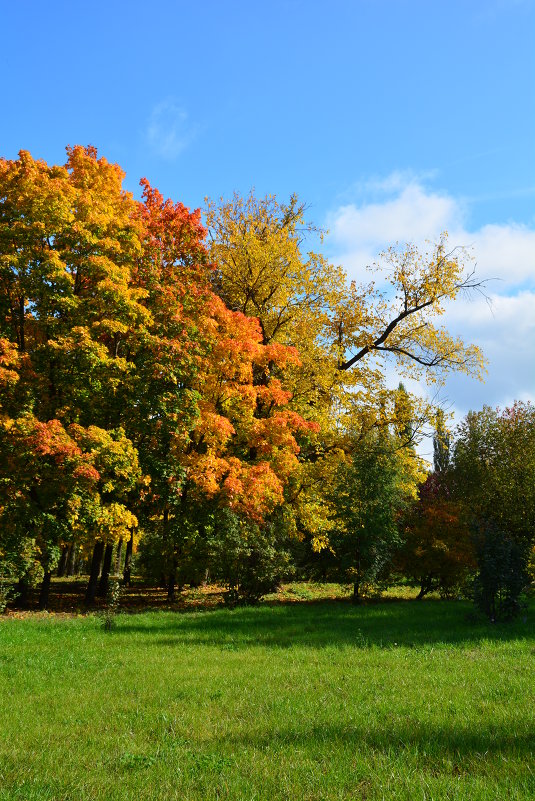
{"x": 249, "y": 559}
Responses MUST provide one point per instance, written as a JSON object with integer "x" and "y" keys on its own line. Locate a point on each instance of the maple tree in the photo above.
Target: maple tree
{"x": 109, "y": 323}
{"x": 230, "y": 440}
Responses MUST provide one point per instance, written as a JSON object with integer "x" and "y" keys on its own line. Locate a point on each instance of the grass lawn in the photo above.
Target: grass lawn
{"x": 400, "y": 700}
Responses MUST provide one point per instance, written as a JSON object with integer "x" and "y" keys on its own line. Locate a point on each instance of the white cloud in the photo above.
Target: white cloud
{"x": 506, "y": 252}
{"x": 505, "y": 329}
{"x": 359, "y": 233}
{"x": 169, "y": 130}
{"x": 414, "y": 214}
{"x": 506, "y": 333}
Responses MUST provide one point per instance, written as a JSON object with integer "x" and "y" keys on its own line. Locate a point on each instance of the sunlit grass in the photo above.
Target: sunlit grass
{"x": 292, "y": 701}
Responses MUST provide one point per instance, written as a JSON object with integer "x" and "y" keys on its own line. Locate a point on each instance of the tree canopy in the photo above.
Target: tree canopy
{"x": 157, "y": 375}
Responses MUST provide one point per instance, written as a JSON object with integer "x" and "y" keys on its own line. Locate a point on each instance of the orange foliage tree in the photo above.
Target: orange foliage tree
{"x": 108, "y": 322}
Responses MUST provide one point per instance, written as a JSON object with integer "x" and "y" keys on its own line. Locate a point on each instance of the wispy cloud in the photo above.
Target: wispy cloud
{"x": 169, "y": 130}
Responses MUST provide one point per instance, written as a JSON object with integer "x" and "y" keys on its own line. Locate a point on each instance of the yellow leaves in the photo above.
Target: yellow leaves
{"x": 114, "y": 521}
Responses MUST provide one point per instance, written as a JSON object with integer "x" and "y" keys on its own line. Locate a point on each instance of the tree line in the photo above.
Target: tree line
{"x": 211, "y": 398}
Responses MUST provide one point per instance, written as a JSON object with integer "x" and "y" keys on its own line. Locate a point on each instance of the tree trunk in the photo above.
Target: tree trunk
{"x": 106, "y": 568}
{"x": 96, "y": 561}
{"x": 22, "y": 590}
{"x": 171, "y": 586}
{"x": 426, "y": 585}
{"x": 45, "y": 590}
{"x": 118, "y": 555}
{"x": 127, "y": 577}
{"x": 79, "y": 563}
{"x": 358, "y": 575}
{"x": 62, "y": 564}
{"x": 71, "y": 555}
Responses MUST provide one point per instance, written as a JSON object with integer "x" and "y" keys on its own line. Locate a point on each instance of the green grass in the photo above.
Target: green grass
{"x": 307, "y": 701}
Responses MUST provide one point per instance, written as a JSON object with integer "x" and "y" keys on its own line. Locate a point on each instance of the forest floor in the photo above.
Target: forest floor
{"x": 314, "y": 700}
{"x": 67, "y": 597}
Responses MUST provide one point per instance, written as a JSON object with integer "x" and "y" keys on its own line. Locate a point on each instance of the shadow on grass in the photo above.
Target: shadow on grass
{"x": 326, "y": 625}
{"x": 429, "y": 741}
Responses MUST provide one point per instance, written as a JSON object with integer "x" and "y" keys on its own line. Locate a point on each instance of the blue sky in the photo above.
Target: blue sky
{"x": 390, "y": 118}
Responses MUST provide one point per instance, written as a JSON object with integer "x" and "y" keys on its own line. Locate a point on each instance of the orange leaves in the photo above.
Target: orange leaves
{"x": 250, "y": 489}
{"x": 51, "y": 439}
{"x": 213, "y": 429}
{"x": 276, "y": 433}
{"x": 243, "y": 448}
{"x": 272, "y": 394}
{"x": 48, "y": 448}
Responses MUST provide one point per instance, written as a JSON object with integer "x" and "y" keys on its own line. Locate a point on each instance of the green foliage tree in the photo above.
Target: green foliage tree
{"x": 441, "y": 444}
{"x": 249, "y": 558}
{"x": 370, "y": 494}
{"x": 494, "y": 477}
{"x": 502, "y": 576}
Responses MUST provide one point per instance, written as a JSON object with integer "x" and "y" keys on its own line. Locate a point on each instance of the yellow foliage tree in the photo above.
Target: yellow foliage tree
{"x": 345, "y": 333}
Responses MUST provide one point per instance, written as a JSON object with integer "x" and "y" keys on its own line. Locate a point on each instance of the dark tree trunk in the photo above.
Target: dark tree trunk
{"x": 79, "y": 563}
{"x": 22, "y": 590}
{"x": 106, "y": 568}
{"x": 171, "y": 586}
{"x": 71, "y": 558}
{"x": 62, "y": 565}
{"x": 356, "y": 584}
{"x": 426, "y": 585}
{"x": 127, "y": 577}
{"x": 98, "y": 552}
{"x": 118, "y": 555}
{"x": 45, "y": 590}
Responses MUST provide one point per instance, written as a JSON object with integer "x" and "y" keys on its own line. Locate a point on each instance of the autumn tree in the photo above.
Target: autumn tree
{"x": 437, "y": 550}
{"x": 345, "y": 333}
{"x": 229, "y": 441}
{"x": 349, "y": 329}
{"x": 236, "y": 374}
{"x": 112, "y": 334}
